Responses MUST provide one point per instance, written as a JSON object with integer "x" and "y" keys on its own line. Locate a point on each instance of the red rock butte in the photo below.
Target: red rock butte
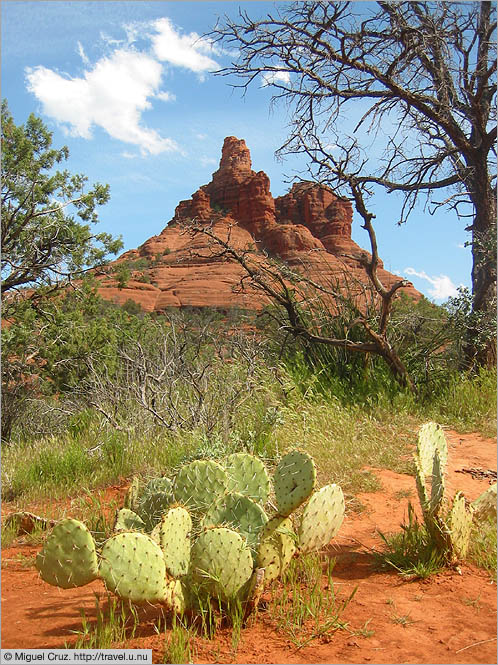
{"x": 309, "y": 228}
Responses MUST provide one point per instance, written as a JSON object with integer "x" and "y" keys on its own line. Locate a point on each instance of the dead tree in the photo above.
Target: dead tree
{"x": 424, "y": 70}
{"x": 290, "y": 291}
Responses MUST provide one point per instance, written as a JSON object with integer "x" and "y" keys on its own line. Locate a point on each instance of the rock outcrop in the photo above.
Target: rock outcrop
{"x": 309, "y": 228}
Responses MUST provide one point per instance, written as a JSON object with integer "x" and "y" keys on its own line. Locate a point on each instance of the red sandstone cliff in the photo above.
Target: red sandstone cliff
{"x": 309, "y": 228}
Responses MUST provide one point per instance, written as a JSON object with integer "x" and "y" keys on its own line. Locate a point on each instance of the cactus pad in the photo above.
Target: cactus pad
{"x": 322, "y": 518}
{"x": 173, "y": 535}
{"x": 152, "y": 507}
{"x": 460, "y": 525}
{"x": 127, "y": 520}
{"x": 294, "y": 481}
{"x": 221, "y": 562}
{"x": 162, "y": 484}
{"x": 133, "y": 494}
{"x": 421, "y": 488}
{"x": 431, "y": 439}
{"x": 248, "y": 475}
{"x": 132, "y": 566}
{"x": 199, "y": 484}
{"x": 175, "y": 599}
{"x": 485, "y": 504}
{"x": 437, "y": 485}
{"x": 238, "y": 512}
{"x": 68, "y": 558}
{"x": 276, "y": 547}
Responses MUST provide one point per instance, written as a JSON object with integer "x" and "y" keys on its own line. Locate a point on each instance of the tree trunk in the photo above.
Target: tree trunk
{"x": 478, "y": 350}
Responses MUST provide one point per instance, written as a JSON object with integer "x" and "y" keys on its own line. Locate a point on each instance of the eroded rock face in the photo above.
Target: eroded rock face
{"x": 309, "y": 228}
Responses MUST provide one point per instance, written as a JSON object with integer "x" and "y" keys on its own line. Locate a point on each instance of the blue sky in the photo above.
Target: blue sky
{"x": 127, "y": 86}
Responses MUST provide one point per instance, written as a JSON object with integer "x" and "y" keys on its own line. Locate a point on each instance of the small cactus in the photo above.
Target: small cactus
{"x": 451, "y": 530}
{"x": 485, "y": 504}
{"x": 460, "y": 525}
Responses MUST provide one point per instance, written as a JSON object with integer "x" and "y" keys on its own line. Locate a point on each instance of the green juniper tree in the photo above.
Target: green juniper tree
{"x": 47, "y": 244}
{"x": 47, "y": 214}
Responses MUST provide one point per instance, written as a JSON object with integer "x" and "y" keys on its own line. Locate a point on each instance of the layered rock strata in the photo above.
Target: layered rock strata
{"x": 309, "y": 228}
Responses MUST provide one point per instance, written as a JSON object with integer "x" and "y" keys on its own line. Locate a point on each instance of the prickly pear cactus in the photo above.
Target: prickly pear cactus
{"x": 431, "y": 439}
{"x": 133, "y": 494}
{"x": 248, "y": 475}
{"x": 175, "y": 597}
{"x": 132, "y": 566}
{"x": 199, "y": 484}
{"x": 127, "y": 520}
{"x": 460, "y": 525}
{"x": 293, "y": 481}
{"x": 437, "y": 485}
{"x": 421, "y": 487}
{"x": 276, "y": 548}
{"x": 430, "y": 458}
{"x": 238, "y": 512}
{"x": 485, "y": 504}
{"x": 68, "y": 558}
{"x": 235, "y": 553}
{"x": 152, "y": 506}
{"x": 221, "y": 562}
{"x": 321, "y": 519}
{"x": 162, "y": 484}
{"x": 173, "y": 535}
{"x": 450, "y": 531}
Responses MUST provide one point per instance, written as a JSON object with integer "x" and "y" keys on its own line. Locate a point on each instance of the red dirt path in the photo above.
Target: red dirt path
{"x": 451, "y": 617}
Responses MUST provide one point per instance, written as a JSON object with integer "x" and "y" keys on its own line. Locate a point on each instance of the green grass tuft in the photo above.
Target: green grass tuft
{"x": 482, "y": 550}
{"x": 411, "y": 552}
{"x": 306, "y": 604}
{"x": 115, "y": 625}
{"x": 179, "y": 644}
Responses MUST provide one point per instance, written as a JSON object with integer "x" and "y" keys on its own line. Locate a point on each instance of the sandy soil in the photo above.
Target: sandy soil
{"x": 450, "y": 618}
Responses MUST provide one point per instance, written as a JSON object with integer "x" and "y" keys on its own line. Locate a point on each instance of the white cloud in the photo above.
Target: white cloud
{"x": 188, "y": 50}
{"x": 166, "y": 96}
{"x": 442, "y": 286}
{"x": 201, "y": 137}
{"x": 274, "y": 77}
{"x": 208, "y": 161}
{"x": 82, "y": 54}
{"x": 112, "y": 96}
{"x": 114, "y": 92}
{"x": 109, "y": 41}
